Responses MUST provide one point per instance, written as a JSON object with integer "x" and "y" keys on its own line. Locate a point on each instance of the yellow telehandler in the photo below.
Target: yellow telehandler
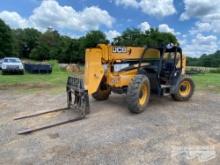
{"x": 135, "y": 71}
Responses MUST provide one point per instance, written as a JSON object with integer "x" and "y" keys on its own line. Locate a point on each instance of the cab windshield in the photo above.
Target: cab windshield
{"x": 11, "y": 60}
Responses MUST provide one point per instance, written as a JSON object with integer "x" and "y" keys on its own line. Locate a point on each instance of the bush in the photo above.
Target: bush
{"x": 196, "y": 70}
{"x": 55, "y": 65}
{"x": 215, "y": 70}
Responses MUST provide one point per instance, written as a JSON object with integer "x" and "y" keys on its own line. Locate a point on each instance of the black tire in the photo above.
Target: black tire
{"x": 179, "y": 88}
{"x": 135, "y": 94}
{"x": 102, "y": 93}
{"x": 22, "y": 72}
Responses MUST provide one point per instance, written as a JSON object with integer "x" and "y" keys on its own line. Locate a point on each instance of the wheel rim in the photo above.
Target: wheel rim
{"x": 185, "y": 88}
{"x": 143, "y": 94}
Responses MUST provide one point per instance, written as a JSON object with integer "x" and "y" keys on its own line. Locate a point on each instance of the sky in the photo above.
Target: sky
{"x": 196, "y": 23}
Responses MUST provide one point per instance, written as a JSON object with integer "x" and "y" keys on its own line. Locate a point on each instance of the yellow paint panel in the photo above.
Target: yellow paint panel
{"x": 121, "y": 79}
{"x": 110, "y": 53}
{"x": 152, "y": 53}
{"x": 131, "y": 53}
{"x": 94, "y": 70}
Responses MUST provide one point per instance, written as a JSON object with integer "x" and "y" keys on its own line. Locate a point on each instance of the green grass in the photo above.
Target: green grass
{"x": 29, "y": 81}
{"x": 58, "y": 78}
{"x": 207, "y": 81}
{"x": 33, "y": 83}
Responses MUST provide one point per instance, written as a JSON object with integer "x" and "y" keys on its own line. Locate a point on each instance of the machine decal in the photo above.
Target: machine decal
{"x": 119, "y": 49}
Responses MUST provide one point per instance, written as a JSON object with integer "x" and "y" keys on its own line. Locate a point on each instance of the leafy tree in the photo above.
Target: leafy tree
{"x": 26, "y": 40}
{"x": 93, "y": 38}
{"x": 6, "y": 40}
{"x": 211, "y": 60}
{"x": 30, "y": 43}
{"x": 90, "y": 40}
{"x": 151, "y": 38}
{"x": 72, "y": 52}
{"x": 48, "y": 47}
{"x": 191, "y": 61}
{"x": 158, "y": 39}
{"x": 40, "y": 53}
{"x": 130, "y": 37}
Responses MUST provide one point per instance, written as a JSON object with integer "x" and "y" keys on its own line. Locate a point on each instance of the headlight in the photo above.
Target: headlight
{"x": 21, "y": 67}
{"x": 4, "y": 66}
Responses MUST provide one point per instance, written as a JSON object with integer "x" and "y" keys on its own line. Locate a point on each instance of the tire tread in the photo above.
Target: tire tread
{"x": 133, "y": 93}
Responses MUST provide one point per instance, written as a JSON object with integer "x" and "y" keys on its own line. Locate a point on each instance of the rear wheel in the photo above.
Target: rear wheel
{"x": 184, "y": 89}
{"x": 102, "y": 93}
{"x": 138, "y": 94}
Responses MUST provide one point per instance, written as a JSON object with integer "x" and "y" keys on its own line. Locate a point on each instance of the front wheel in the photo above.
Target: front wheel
{"x": 138, "y": 94}
{"x": 184, "y": 89}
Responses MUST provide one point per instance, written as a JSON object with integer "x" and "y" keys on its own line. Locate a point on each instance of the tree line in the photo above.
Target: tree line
{"x": 32, "y": 44}
{"x": 211, "y": 60}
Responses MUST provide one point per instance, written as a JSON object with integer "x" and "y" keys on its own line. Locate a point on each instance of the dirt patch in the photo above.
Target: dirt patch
{"x": 26, "y": 86}
{"x": 111, "y": 134}
{"x": 54, "y": 135}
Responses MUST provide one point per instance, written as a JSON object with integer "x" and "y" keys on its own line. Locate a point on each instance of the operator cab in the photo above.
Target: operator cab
{"x": 163, "y": 69}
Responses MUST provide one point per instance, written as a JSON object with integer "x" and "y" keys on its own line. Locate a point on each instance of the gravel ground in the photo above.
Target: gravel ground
{"x": 167, "y": 132}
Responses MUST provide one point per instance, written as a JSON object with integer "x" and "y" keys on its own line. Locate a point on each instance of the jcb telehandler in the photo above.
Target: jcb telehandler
{"x": 135, "y": 71}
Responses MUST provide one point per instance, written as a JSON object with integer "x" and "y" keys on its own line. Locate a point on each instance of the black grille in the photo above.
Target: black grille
{"x": 12, "y": 67}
